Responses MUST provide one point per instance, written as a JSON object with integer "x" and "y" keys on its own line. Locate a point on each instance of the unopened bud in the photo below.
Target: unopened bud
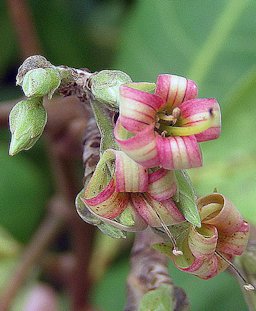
{"x": 105, "y": 86}
{"x": 27, "y": 121}
{"x": 32, "y": 62}
{"x": 40, "y": 82}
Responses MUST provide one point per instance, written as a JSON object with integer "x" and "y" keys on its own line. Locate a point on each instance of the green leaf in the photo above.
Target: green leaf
{"x": 159, "y": 299}
{"x": 111, "y": 231}
{"x": 187, "y": 198}
{"x": 104, "y": 123}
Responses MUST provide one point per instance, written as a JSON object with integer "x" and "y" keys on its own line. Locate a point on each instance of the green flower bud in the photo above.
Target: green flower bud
{"x": 27, "y": 121}
{"x": 105, "y": 86}
{"x": 39, "y": 82}
{"x": 32, "y": 62}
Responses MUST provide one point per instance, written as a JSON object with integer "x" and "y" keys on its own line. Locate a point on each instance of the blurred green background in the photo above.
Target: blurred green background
{"x": 211, "y": 42}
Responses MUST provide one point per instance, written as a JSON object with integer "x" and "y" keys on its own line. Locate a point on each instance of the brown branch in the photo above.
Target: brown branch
{"x": 23, "y": 24}
{"x": 148, "y": 272}
{"x": 47, "y": 231}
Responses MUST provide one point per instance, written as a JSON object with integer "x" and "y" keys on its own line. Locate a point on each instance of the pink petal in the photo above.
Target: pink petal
{"x": 203, "y": 241}
{"x": 236, "y": 243}
{"x": 178, "y": 152}
{"x": 108, "y": 203}
{"x": 218, "y": 211}
{"x": 151, "y": 210}
{"x": 196, "y": 111}
{"x": 203, "y": 268}
{"x": 141, "y": 147}
{"x": 174, "y": 90}
{"x": 137, "y": 108}
{"x": 130, "y": 176}
{"x": 162, "y": 184}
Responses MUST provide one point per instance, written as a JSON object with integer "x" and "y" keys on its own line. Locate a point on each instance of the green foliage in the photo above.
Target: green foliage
{"x": 23, "y": 194}
{"x": 186, "y": 198}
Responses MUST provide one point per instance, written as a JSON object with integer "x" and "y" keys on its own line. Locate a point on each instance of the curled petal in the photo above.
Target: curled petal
{"x": 217, "y": 210}
{"x": 195, "y": 113}
{"x": 162, "y": 184}
{"x": 130, "y": 176}
{"x": 138, "y": 225}
{"x": 174, "y": 90}
{"x": 153, "y": 212}
{"x": 203, "y": 268}
{"x": 108, "y": 203}
{"x": 130, "y": 217}
{"x": 222, "y": 264}
{"x": 137, "y": 108}
{"x": 236, "y": 243}
{"x": 178, "y": 152}
{"x": 141, "y": 147}
{"x": 203, "y": 241}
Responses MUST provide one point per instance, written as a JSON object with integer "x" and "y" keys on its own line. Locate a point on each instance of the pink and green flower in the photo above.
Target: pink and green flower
{"x": 122, "y": 191}
{"x": 163, "y": 129}
{"x": 223, "y": 235}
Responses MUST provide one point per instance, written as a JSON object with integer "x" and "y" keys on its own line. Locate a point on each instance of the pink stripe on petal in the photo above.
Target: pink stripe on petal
{"x": 236, "y": 243}
{"x": 136, "y": 117}
{"x": 223, "y": 214}
{"x": 151, "y": 100}
{"x": 197, "y": 110}
{"x": 162, "y": 184}
{"x": 174, "y": 90}
{"x": 130, "y": 176}
{"x": 178, "y": 152}
{"x": 203, "y": 241}
{"x": 108, "y": 203}
{"x": 141, "y": 147}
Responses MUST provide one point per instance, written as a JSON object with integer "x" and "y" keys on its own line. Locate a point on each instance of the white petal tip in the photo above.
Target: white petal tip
{"x": 249, "y": 287}
{"x": 176, "y": 252}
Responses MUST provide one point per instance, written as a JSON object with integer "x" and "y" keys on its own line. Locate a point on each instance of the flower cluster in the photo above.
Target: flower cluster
{"x": 207, "y": 250}
{"x": 164, "y": 128}
{"x": 158, "y": 133}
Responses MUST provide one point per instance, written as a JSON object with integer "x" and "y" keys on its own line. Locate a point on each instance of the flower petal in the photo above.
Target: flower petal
{"x": 217, "y": 210}
{"x": 108, "y": 203}
{"x": 203, "y": 241}
{"x": 129, "y": 175}
{"x": 203, "y": 268}
{"x": 174, "y": 90}
{"x": 195, "y": 112}
{"x": 137, "y": 108}
{"x": 152, "y": 211}
{"x": 178, "y": 152}
{"x": 141, "y": 147}
{"x": 236, "y": 243}
{"x": 162, "y": 184}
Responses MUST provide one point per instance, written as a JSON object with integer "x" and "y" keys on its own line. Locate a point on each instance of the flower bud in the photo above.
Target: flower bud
{"x": 40, "y": 82}
{"x": 32, "y": 62}
{"x": 27, "y": 121}
{"x": 105, "y": 86}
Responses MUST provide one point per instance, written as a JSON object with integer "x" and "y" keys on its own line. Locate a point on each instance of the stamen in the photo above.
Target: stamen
{"x": 163, "y": 134}
{"x": 190, "y": 130}
{"x": 175, "y": 251}
{"x": 176, "y": 112}
{"x": 247, "y": 286}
